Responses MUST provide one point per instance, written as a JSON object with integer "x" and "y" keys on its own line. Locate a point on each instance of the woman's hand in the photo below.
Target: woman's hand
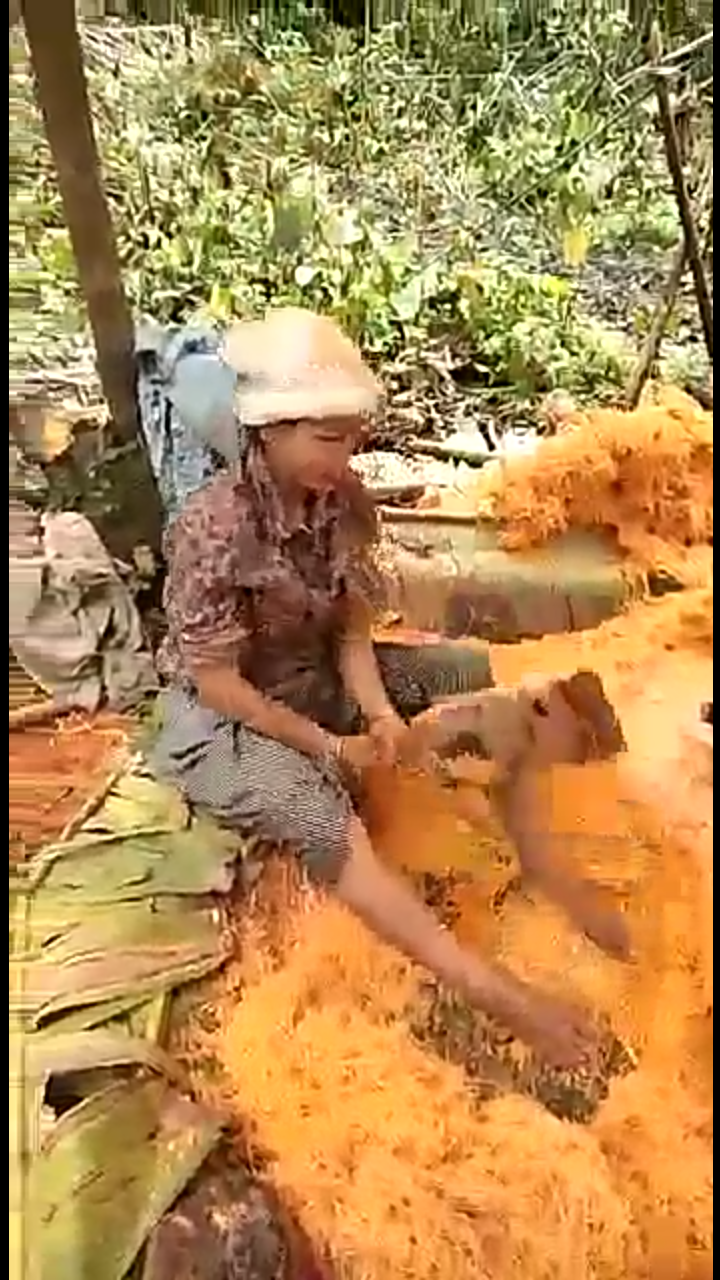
{"x": 561, "y": 1034}
{"x": 387, "y": 732}
{"x": 357, "y": 752}
{"x": 388, "y": 906}
{"x": 600, "y": 921}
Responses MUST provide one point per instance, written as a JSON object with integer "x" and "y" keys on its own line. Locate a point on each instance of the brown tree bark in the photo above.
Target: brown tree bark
{"x": 63, "y": 99}
{"x": 61, "y": 88}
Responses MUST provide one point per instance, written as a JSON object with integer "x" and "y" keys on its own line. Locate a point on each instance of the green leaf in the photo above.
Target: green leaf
{"x": 98, "y": 870}
{"x": 107, "y": 1173}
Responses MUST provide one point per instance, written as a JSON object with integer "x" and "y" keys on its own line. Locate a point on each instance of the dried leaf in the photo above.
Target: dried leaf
{"x": 57, "y": 436}
{"x": 136, "y": 970}
{"x": 135, "y": 950}
{"x": 94, "y": 1015}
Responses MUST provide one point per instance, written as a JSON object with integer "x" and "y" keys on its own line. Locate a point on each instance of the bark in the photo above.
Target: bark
{"x": 63, "y": 99}
{"x": 62, "y": 95}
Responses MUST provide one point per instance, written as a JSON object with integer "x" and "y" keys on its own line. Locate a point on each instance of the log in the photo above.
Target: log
{"x": 36, "y": 713}
{"x": 455, "y": 578}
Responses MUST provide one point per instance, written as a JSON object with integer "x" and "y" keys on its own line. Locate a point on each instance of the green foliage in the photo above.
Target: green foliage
{"x": 409, "y": 181}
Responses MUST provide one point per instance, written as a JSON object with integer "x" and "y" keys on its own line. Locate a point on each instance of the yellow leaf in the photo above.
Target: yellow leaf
{"x": 576, "y": 243}
{"x": 56, "y": 437}
{"x": 220, "y": 303}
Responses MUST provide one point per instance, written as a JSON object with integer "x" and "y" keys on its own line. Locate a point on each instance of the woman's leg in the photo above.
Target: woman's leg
{"x": 416, "y": 676}
{"x": 256, "y": 786}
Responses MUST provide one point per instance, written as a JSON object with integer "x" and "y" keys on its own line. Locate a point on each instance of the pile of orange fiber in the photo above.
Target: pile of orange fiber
{"x": 646, "y": 475}
{"x": 395, "y": 1163}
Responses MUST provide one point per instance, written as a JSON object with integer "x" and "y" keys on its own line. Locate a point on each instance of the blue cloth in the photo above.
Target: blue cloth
{"x": 185, "y": 397}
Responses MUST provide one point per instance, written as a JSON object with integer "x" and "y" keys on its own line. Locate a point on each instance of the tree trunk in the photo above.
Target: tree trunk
{"x": 61, "y": 89}
{"x": 62, "y": 95}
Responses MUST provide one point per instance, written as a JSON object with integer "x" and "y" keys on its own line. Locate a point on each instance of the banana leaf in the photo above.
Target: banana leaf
{"x": 127, "y": 921}
{"x": 95, "y": 1015}
{"x": 131, "y": 952}
{"x": 138, "y": 801}
{"x": 104, "y": 975}
{"x": 77, "y": 1051}
{"x": 140, "y": 865}
{"x": 103, "y": 928}
{"x": 107, "y": 1173}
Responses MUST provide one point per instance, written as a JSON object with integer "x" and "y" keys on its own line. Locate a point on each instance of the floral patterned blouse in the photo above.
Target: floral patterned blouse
{"x": 245, "y": 589}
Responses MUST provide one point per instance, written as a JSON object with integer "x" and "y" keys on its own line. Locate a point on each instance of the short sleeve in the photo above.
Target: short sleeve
{"x": 205, "y": 601}
{"x": 362, "y": 573}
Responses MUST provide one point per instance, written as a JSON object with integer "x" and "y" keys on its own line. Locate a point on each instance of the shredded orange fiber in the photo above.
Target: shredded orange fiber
{"x": 395, "y": 1163}
{"x": 646, "y": 475}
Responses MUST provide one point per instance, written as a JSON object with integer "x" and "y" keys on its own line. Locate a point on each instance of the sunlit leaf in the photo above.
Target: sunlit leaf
{"x": 343, "y": 229}
{"x": 304, "y": 274}
{"x": 57, "y": 435}
{"x": 575, "y": 243}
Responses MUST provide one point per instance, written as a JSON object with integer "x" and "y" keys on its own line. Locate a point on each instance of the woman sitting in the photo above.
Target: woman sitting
{"x": 277, "y": 695}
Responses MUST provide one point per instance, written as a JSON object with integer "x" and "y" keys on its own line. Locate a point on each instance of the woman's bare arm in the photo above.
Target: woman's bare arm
{"x": 359, "y": 670}
{"x": 223, "y": 690}
{"x": 392, "y": 911}
{"x": 580, "y": 899}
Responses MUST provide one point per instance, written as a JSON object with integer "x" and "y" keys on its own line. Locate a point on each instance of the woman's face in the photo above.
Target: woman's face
{"x": 312, "y": 455}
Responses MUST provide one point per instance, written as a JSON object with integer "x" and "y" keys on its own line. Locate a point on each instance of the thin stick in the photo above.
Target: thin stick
{"x": 663, "y": 311}
{"x": 36, "y": 713}
{"x": 426, "y": 515}
{"x": 91, "y": 805}
{"x": 675, "y": 55}
{"x": 453, "y": 453}
{"x": 675, "y": 165}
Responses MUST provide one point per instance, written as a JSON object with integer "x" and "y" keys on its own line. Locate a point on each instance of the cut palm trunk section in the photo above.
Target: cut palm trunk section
{"x": 455, "y": 578}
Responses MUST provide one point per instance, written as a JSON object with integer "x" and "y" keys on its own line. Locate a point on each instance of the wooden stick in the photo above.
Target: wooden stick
{"x": 663, "y": 311}
{"x": 35, "y": 713}
{"x": 426, "y": 515}
{"x": 92, "y": 804}
{"x": 674, "y": 159}
{"x": 452, "y": 452}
